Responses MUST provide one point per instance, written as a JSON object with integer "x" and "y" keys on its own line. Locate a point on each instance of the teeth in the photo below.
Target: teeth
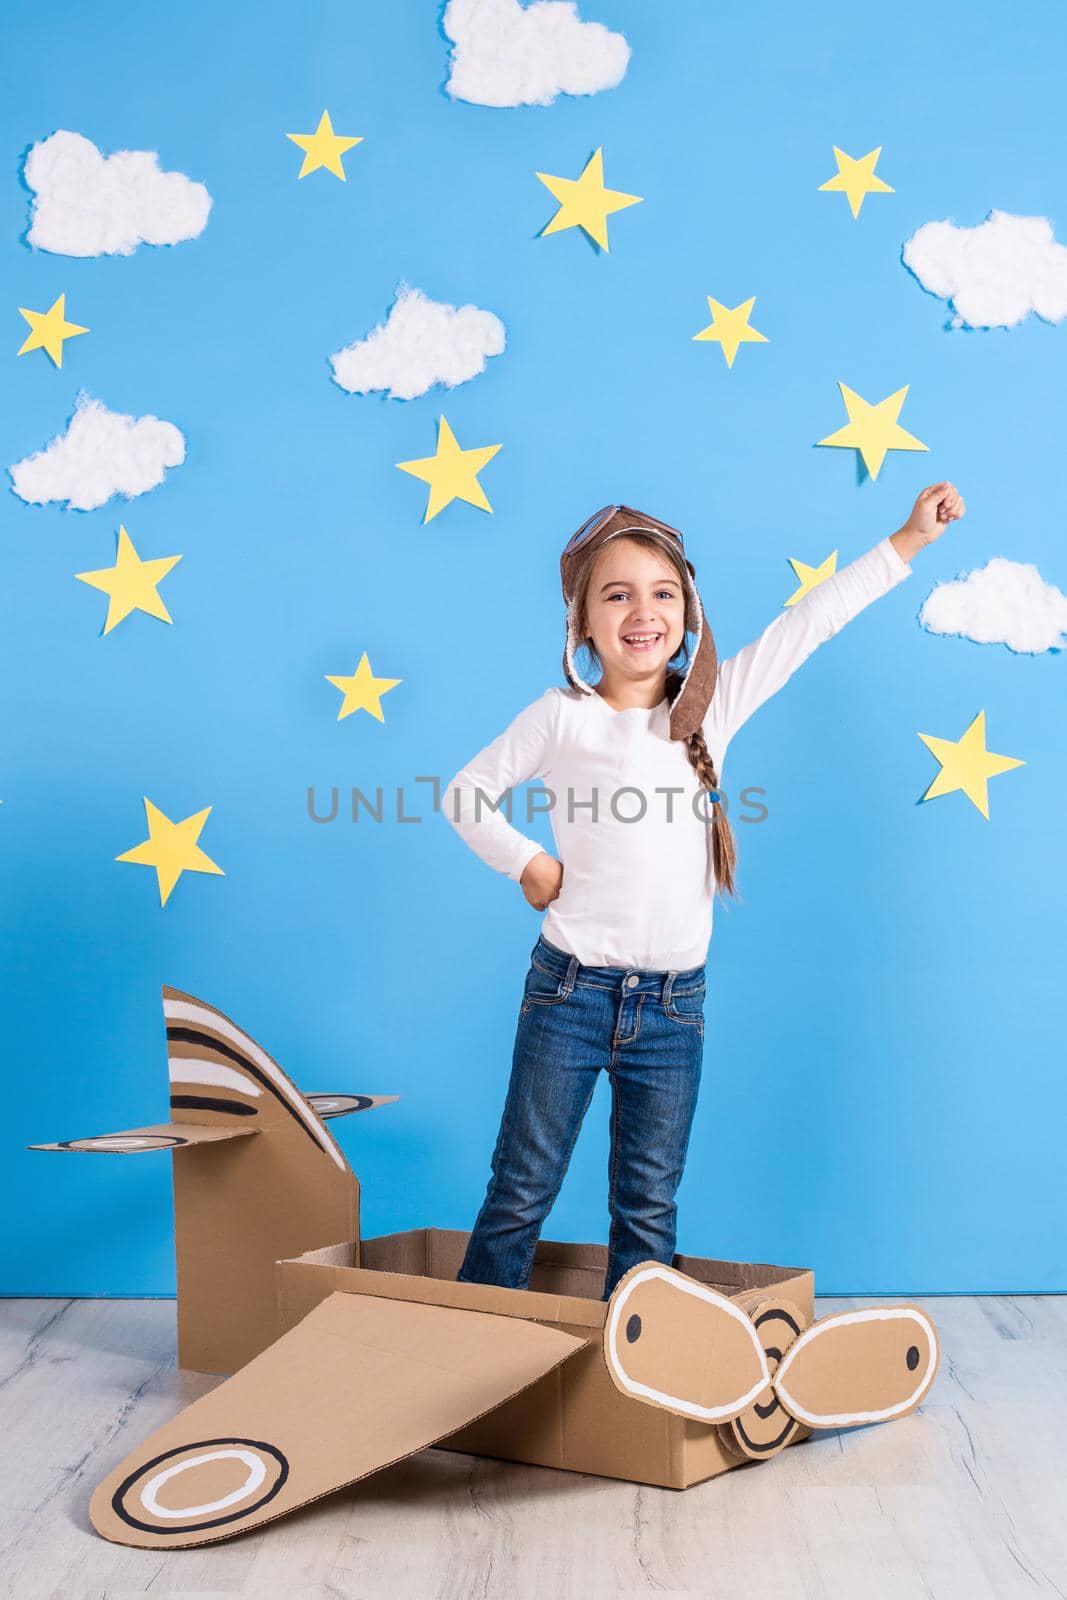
{"x": 639, "y": 638}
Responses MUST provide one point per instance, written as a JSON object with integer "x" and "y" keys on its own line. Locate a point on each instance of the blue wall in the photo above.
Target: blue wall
{"x": 883, "y": 1092}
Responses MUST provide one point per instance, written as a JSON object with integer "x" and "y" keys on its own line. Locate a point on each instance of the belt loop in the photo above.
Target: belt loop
{"x": 572, "y": 972}
{"x": 668, "y": 987}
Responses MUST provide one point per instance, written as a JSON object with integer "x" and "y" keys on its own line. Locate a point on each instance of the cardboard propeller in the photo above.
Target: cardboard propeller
{"x": 241, "y": 1203}
{"x": 680, "y": 1345}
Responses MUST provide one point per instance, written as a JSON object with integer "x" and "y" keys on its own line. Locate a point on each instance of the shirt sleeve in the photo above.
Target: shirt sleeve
{"x": 750, "y": 677}
{"x": 471, "y": 799}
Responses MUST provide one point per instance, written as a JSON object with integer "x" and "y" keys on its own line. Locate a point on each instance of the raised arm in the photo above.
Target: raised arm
{"x": 523, "y": 751}
{"x": 750, "y": 677}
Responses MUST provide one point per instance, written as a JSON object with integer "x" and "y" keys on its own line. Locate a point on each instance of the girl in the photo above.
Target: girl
{"x": 616, "y": 977}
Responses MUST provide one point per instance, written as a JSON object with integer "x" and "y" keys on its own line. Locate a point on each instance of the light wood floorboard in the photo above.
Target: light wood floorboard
{"x": 964, "y": 1500}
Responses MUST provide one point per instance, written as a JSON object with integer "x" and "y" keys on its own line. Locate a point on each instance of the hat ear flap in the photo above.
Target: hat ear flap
{"x": 690, "y": 704}
{"x": 574, "y": 644}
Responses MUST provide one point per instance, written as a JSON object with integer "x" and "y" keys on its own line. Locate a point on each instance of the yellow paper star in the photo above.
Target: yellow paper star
{"x": 131, "y": 583}
{"x": 730, "y": 327}
{"x": 856, "y": 178}
{"x": 48, "y": 329}
{"x": 873, "y": 429}
{"x": 323, "y": 148}
{"x": 452, "y": 473}
{"x": 584, "y": 201}
{"x": 810, "y": 577}
{"x": 363, "y": 691}
{"x": 171, "y": 848}
{"x": 967, "y": 765}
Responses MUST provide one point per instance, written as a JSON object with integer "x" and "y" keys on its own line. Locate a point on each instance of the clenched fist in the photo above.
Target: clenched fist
{"x": 931, "y": 514}
{"x": 541, "y": 880}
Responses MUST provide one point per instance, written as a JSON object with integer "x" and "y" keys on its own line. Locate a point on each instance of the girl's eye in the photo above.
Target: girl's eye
{"x": 668, "y": 594}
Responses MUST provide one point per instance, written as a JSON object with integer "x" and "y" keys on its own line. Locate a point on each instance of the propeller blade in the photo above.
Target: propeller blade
{"x": 859, "y": 1366}
{"x": 675, "y": 1343}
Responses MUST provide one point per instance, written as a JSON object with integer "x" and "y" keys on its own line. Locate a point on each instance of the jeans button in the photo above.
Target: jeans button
{"x": 632, "y": 981}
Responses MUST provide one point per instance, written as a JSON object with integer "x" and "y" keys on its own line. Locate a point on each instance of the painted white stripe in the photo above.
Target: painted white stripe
{"x": 257, "y": 1472}
{"x": 687, "y": 1408}
{"x": 184, "y": 1011}
{"x": 119, "y": 1141}
{"x": 844, "y": 1419}
{"x": 186, "y": 1069}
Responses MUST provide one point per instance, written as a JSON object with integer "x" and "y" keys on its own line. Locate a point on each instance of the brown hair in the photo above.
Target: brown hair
{"x": 723, "y": 843}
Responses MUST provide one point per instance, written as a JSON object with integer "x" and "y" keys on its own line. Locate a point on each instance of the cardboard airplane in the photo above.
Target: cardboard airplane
{"x": 356, "y": 1353}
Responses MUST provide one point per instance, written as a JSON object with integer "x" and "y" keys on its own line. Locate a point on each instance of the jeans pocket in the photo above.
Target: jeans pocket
{"x": 687, "y": 1005}
{"x": 543, "y": 988}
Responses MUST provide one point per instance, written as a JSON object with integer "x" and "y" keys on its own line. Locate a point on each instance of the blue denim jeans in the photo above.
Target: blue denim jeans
{"x": 646, "y": 1031}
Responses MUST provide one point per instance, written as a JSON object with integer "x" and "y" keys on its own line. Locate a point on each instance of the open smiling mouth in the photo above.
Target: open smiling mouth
{"x": 641, "y": 643}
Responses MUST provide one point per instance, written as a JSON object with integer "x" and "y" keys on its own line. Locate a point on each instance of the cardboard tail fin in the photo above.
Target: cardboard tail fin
{"x": 240, "y": 1204}
{"x": 360, "y": 1383}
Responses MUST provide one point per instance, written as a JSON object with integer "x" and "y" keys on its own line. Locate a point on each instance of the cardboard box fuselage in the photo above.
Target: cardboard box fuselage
{"x": 574, "y": 1418}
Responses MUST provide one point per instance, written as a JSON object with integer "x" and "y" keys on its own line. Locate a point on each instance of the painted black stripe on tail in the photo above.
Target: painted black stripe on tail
{"x": 204, "y": 1102}
{"x": 208, "y": 1041}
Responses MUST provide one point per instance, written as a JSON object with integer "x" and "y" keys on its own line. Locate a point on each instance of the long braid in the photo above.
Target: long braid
{"x": 723, "y": 843}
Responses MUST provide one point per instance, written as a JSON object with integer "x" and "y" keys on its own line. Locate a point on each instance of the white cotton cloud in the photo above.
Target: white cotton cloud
{"x": 995, "y": 274}
{"x": 89, "y": 204}
{"x": 506, "y": 54}
{"x": 1004, "y": 602}
{"x": 102, "y": 453}
{"x": 422, "y": 342}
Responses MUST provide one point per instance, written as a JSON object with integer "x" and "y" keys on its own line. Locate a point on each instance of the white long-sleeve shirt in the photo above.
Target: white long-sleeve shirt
{"x": 624, "y": 800}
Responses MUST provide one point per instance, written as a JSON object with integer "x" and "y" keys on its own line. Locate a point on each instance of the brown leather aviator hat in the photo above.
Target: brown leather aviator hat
{"x": 690, "y": 704}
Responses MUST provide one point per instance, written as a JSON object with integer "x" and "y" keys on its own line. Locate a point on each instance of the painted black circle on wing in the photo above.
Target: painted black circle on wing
{"x": 912, "y": 1357}
{"x": 633, "y": 1329}
{"x": 118, "y": 1499}
{"x": 145, "y": 1141}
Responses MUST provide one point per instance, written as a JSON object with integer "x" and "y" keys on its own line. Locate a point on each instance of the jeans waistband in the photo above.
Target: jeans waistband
{"x": 566, "y": 966}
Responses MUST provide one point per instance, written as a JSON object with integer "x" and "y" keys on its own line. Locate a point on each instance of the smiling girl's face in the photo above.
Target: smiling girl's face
{"x": 635, "y": 613}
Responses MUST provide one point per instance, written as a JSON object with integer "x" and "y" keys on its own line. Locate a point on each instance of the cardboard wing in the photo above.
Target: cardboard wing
{"x": 672, "y": 1342}
{"x": 359, "y": 1384}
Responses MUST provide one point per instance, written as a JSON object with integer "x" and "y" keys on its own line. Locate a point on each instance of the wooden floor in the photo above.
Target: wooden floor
{"x": 967, "y": 1497}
